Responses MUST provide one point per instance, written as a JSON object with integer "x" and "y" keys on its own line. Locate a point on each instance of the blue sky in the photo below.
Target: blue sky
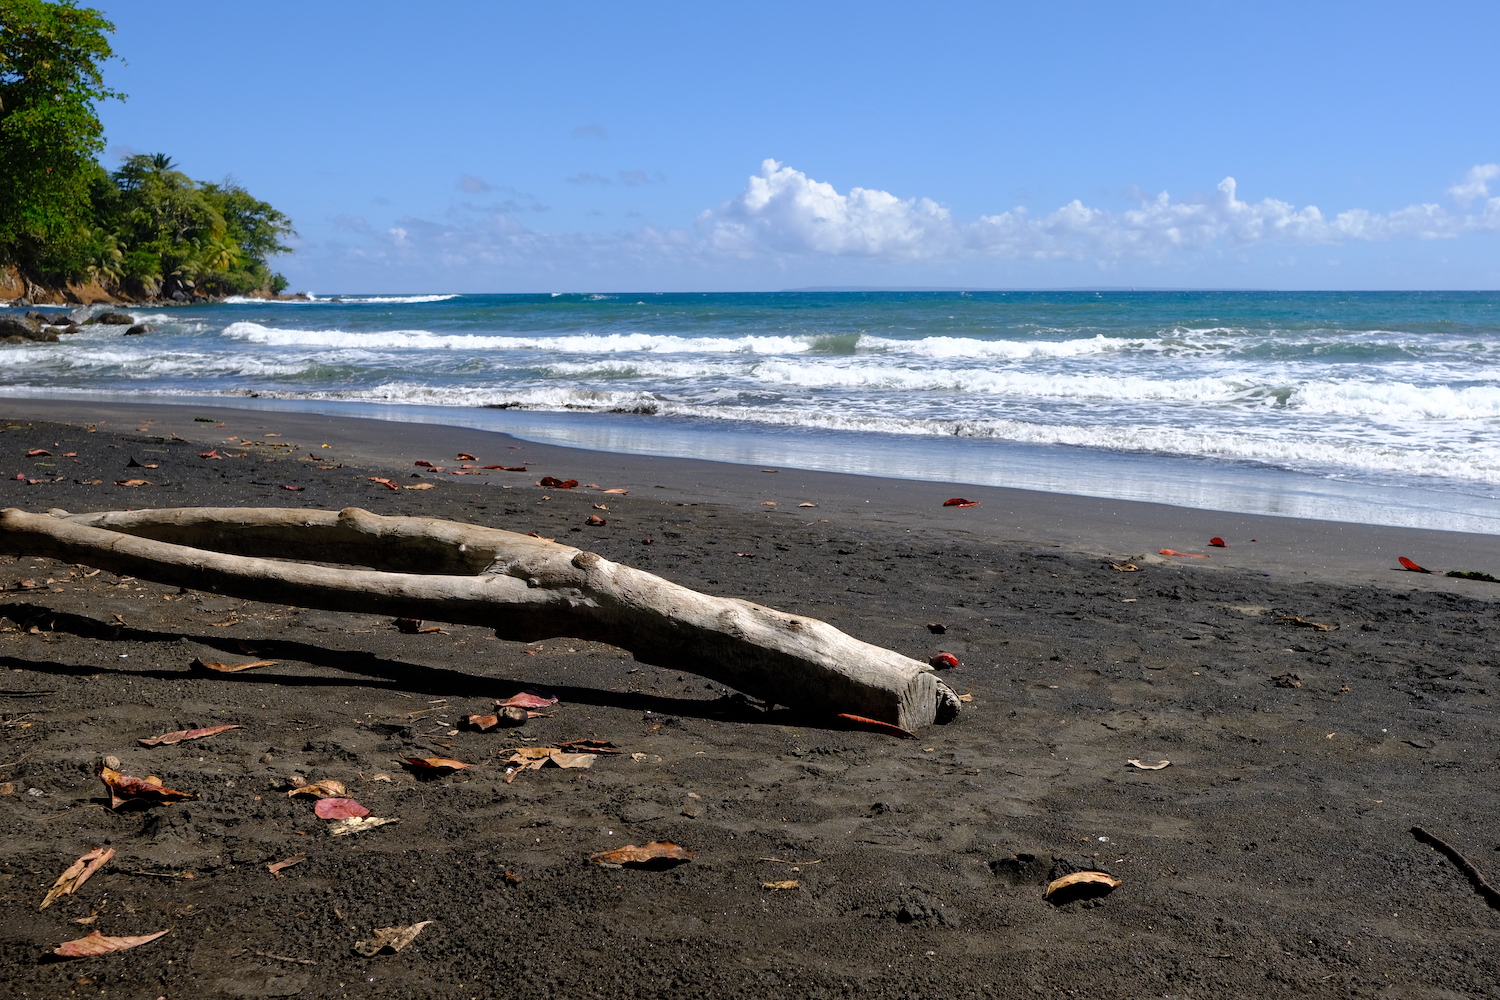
{"x": 467, "y": 146}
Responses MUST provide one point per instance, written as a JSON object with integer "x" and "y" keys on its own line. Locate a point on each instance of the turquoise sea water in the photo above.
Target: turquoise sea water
{"x": 1361, "y": 406}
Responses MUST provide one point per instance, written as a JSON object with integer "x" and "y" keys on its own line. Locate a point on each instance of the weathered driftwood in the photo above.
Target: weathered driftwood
{"x": 525, "y": 588}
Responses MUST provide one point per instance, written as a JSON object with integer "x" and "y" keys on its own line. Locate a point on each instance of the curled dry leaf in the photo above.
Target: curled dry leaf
{"x": 134, "y": 482}
{"x": 383, "y": 482}
{"x": 325, "y": 789}
{"x": 294, "y": 489}
{"x": 1081, "y": 885}
{"x": 768, "y": 503}
{"x": 553, "y": 483}
{"x": 601, "y": 506}
{"x": 482, "y": 722}
{"x": 1295, "y": 620}
{"x": 276, "y": 866}
{"x": 434, "y": 764}
{"x": 39, "y": 453}
{"x": 616, "y": 490}
{"x": 1413, "y": 567}
{"x": 394, "y": 938}
{"x": 807, "y": 505}
{"x": 790, "y": 883}
{"x": 76, "y": 874}
{"x": 413, "y": 626}
{"x": 1128, "y": 567}
{"x": 596, "y": 521}
{"x": 535, "y": 758}
{"x": 465, "y": 457}
{"x": 587, "y": 746}
{"x": 418, "y": 486}
{"x": 181, "y": 735}
{"x": 944, "y": 661}
{"x": 227, "y": 668}
{"x": 527, "y": 700}
{"x": 124, "y": 788}
{"x": 357, "y": 824}
{"x": 209, "y": 454}
{"x": 98, "y": 944}
{"x": 1287, "y": 681}
{"x": 1150, "y": 767}
{"x": 884, "y": 727}
{"x": 656, "y": 855}
{"x": 423, "y": 463}
{"x": 1184, "y": 555}
{"x": 1218, "y": 542}
{"x": 339, "y": 809}
{"x": 960, "y": 502}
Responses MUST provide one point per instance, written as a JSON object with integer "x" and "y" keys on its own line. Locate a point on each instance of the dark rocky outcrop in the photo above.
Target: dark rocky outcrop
{"x": 18, "y": 329}
{"x": 140, "y": 329}
{"x": 110, "y": 319}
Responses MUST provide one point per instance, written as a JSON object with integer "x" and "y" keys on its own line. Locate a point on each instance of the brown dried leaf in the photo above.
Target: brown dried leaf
{"x": 1307, "y": 624}
{"x": 657, "y": 854}
{"x": 790, "y": 883}
{"x": 434, "y": 764}
{"x": 181, "y": 735}
{"x": 123, "y": 788}
{"x": 616, "y": 490}
{"x": 1150, "y": 767}
{"x": 325, "y": 789}
{"x": 134, "y": 482}
{"x": 98, "y": 944}
{"x": 1128, "y": 567}
{"x": 418, "y": 486}
{"x": 77, "y": 873}
{"x": 482, "y": 722}
{"x": 1095, "y": 883}
{"x": 276, "y": 866}
{"x": 807, "y": 505}
{"x": 587, "y": 746}
{"x": 226, "y": 668}
{"x": 394, "y": 938}
{"x": 595, "y": 521}
{"x": 527, "y": 700}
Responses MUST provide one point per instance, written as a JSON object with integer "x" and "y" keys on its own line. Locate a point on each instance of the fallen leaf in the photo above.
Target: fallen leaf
{"x": 482, "y": 722}
{"x": 526, "y": 700}
{"x": 512, "y": 468}
{"x": 553, "y": 483}
{"x": 167, "y": 739}
{"x": 134, "y": 482}
{"x": 123, "y": 788}
{"x": 339, "y": 809}
{"x": 1125, "y": 567}
{"x": 1295, "y": 620}
{"x": 617, "y": 490}
{"x": 960, "y": 502}
{"x": 656, "y": 855}
{"x": 226, "y": 668}
{"x": 807, "y": 505}
{"x": 383, "y": 482}
{"x": 944, "y": 661}
{"x": 413, "y": 626}
{"x": 71, "y": 880}
{"x": 98, "y": 944}
{"x": 277, "y": 866}
{"x": 394, "y": 938}
{"x": 434, "y": 764}
{"x": 325, "y": 789}
{"x": 562, "y": 758}
{"x": 1185, "y": 555}
{"x": 790, "y": 883}
{"x": 1413, "y": 567}
{"x": 596, "y": 521}
{"x": 357, "y": 824}
{"x": 600, "y": 506}
{"x": 294, "y": 489}
{"x": 589, "y": 746}
{"x": 966, "y": 697}
{"x": 1287, "y": 681}
{"x": 209, "y": 454}
{"x": 423, "y": 463}
{"x": 1150, "y": 767}
{"x": 768, "y": 503}
{"x": 1093, "y": 883}
{"x": 462, "y": 457}
{"x": 418, "y": 486}
{"x": 39, "y": 453}
{"x": 884, "y": 727}
{"x": 1218, "y": 542}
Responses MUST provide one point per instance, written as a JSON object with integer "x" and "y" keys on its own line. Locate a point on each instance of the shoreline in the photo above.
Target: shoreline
{"x": 1288, "y": 547}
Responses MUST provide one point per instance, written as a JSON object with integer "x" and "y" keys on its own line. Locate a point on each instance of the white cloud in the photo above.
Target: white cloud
{"x": 1475, "y": 184}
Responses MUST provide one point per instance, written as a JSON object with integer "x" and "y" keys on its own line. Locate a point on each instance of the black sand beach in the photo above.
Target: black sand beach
{"x": 1273, "y": 857}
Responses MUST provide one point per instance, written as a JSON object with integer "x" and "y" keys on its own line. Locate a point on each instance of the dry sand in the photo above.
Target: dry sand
{"x": 1273, "y": 857}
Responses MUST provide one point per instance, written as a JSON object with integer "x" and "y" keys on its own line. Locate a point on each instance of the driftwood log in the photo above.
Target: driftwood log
{"x": 525, "y": 588}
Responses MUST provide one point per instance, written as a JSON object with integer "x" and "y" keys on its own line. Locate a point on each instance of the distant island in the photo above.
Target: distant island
{"x": 71, "y": 231}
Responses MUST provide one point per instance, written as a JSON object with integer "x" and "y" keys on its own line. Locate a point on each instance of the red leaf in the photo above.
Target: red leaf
{"x": 423, "y": 462}
{"x": 482, "y": 722}
{"x": 209, "y": 454}
{"x": 383, "y": 482}
{"x": 1218, "y": 542}
{"x": 294, "y": 489}
{"x": 182, "y": 735}
{"x": 960, "y": 502}
{"x": 39, "y": 453}
{"x": 123, "y": 788}
{"x": 1412, "y": 566}
{"x": 1185, "y": 555}
{"x": 339, "y": 809}
{"x": 884, "y": 727}
{"x": 515, "y": 468}
{"x": 98, "y": 944}
{"x": 526, "y": 700}
{"x": 657, "y": 854}
{"x": 464, "y": 457}
{"x": 552, "y": 482}
{"x": 943, "y": 660}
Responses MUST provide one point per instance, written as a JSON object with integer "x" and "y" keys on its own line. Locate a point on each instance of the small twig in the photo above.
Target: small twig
{"x": 163, "y": 874}
{"x": 286, "y": 958}
{"x": 1486, "y": 890}
{"x": 781, "y": 862}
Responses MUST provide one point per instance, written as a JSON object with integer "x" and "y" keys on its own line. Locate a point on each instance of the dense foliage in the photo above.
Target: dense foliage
{"x": 145, "y": 229}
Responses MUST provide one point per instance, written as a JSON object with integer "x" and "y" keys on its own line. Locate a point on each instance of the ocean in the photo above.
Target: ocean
{"x": 1381, "y": 407}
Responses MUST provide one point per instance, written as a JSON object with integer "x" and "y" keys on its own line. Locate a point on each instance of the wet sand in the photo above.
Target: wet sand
{"x": 1273, "y": 857}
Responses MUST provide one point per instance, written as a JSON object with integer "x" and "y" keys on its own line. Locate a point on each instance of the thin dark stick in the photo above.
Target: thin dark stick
{"x": 1484, "y": 888}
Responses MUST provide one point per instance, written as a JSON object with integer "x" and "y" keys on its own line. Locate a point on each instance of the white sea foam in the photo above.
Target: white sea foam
{"x": 312, "y": 300}
{"x": 255, "y": 333}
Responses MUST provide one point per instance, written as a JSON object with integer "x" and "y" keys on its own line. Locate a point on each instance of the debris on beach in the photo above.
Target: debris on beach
{"x": 616, "y": 490}
{"x": 124, "y": 788}
{"x": 71, "y": 880}
{"x": 1128, "y": 567}
{"x": 325, "y": 789}
{"x": 465, "y": 457}
{"x": 526, "y": 700}
{"x": 225, "y": 668}
{"x": 418, "y": 486}
{"x": 1150, "y": 767}
{"x": 961, "y": 502}
{"x": 1080, "y": 885}
{"x": 1295, "y": 620}
{"x": 1218, "y": 542}
{"x": 1184, "y": 555}
{"x": 1472, "y": 574}
{"x": 147, "y": 482}
{"x": 937, "y": 628}
{"x": 596, "y": 521}
{"x": 1287, "y": 681}
{"x": 553, "y": 483}
{"x": 340, "y": 809}
{"x": 388, "y": 484}
{"x": 357, "y": 824}
{"x": 657, "y": 855}
{"x": 413, "y": 626}
{"x": 394, "y": 938}
{"x": 1411, "y": 566}
{"x": 445, "y": 764}
{"x": 294, "y": 489}
{"x": 482, "y": 722}
{"x": 944, "y": 661}
{"x": 807, "y": 505}
{"x": 781, "y": 886}
{"x": 182, "y": 735}
{"x": 536, "y": 758}
{"x": 275, "y": 867}
{"x": 98, "y": 944}
{"x": 588, "y": 746}
{"x": 884, "y": 727}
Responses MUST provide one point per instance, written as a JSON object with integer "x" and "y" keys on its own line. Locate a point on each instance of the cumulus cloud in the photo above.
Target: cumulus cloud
{"x": 472, "y": 184}
{"x": 783, "y": 210}
{"x": 593, "y": 130}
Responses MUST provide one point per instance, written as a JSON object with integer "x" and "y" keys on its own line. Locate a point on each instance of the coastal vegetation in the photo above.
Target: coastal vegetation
{"x": 145, "y": 230}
